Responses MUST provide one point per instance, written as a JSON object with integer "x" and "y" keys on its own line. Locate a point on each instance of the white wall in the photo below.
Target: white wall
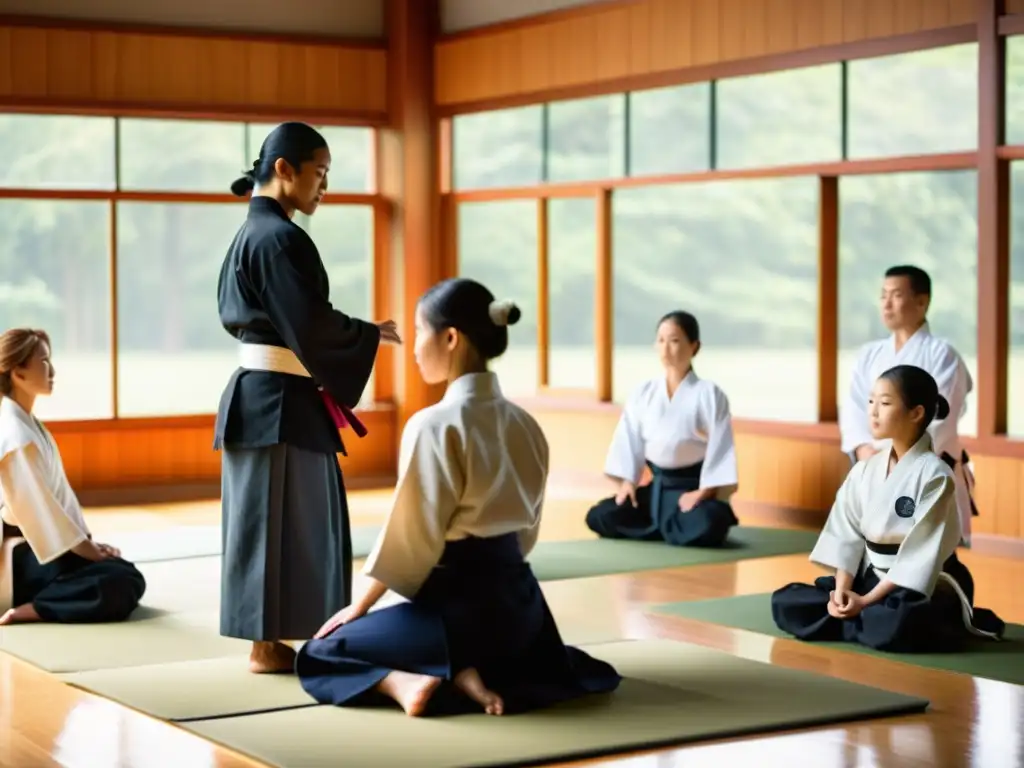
{"x": 457, "y": 15}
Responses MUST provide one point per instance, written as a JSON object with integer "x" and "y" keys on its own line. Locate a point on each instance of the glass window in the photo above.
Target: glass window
{"x": 928, "y": 220}
{"x": 780, "y": 118}
{"x": 181, "y": 155}
{"x": 914, "y": 103}
{"x": 55, "y": 275}
{"x": 587, "y": 139}
{"x": 498, "y": 247}
{"x": 1014, "y": 90}
{"x": 344, "y": 236}
{"x": 670, "y": 130}
{"x": 174, "y": 357}
{"x": 503, "y": 148}
{"x": 572, "y": 259}
{"x": 1015, "y": 374}
{"x": 742, "y": 257}
{"x": 57, "y": 152}
{"x": 352, "y": 154}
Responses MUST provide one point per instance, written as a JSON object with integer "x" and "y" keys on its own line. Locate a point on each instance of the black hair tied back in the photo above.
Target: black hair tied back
{"x": 470, "y": 308}
{"x": 941, "y": 407}
{"x": 503, "y": 312}
{"x": 296, "y": 143}
{"x": 246, "y": 183}
{"x": 917, "y": 387}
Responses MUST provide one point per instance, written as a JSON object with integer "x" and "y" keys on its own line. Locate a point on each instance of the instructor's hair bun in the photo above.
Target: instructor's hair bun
{"x": 504, "y": 312}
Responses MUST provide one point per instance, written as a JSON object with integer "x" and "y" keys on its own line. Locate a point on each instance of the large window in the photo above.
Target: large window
{"x": 572, "y": 258}
{"x": 669, "y": 130}
{"x": 172, "y": 357}
{"x": 1015, "y": 384}
{"x": 503, "y": 148}
{"x": 928, "y": 220}
{"x": 498, "y": 247}
{"x": 742, "y": 257}
{"x": 586, "y": 138}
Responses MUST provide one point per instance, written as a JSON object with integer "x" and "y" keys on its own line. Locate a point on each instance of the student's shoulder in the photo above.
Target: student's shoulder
{"x": 934, "y": 469}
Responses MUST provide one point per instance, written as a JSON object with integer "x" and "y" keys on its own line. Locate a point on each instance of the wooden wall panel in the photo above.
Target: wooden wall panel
{"x": 147, "y": 453}
{"x": 1014, "y": 6}
{"x": 631, "y": 40}
{"x": 791, "y": 473}
{"x": 99, "y": 69}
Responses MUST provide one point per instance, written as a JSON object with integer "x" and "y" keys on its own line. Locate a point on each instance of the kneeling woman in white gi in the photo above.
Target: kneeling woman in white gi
{"x": 476, "y": 632}
{"x": 680, "y": 427}
{"x": 50, "y": 568}
{"x": 891, "y": 540}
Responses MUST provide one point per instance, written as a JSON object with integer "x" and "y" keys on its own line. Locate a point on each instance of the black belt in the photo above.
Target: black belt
{"x": 965, "y": 460}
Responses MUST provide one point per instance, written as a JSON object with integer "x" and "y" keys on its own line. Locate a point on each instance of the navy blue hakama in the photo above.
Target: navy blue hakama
{"x": 480, "y": 607}
{"x": 657, "y": 516}
{"x": 905, "y": 621}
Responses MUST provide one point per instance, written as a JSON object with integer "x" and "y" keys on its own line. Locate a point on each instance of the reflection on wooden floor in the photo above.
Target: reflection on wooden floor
{"x": 972, "y": 722}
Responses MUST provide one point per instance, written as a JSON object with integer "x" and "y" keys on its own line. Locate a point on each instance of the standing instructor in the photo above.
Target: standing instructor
{"x": 303, "y": 366}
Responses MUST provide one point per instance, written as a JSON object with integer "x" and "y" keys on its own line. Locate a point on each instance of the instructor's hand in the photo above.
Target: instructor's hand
{"x": 389, "y": 332}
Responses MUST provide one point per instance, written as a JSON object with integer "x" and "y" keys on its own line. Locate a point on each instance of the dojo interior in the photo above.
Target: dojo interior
{"x": 759, "y": 163}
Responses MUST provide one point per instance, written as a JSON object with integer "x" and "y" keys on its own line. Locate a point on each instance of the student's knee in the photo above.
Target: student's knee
{"x": 595, "y": 518}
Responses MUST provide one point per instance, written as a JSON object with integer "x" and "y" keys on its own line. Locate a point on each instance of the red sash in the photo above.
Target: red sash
{"x": 342, "y": 415}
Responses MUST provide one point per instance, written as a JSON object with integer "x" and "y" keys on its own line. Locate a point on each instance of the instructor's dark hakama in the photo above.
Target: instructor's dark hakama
{"x": 287, "y": 548}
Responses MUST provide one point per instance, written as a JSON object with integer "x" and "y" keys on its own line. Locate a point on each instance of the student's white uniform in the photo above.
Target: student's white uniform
{"x": 939, "y": 358}
{"x": 42, "y": 523}
{"x": 902, "y": 526}
{"x": 466, "y": 510}
{"x": 686, "y": 441}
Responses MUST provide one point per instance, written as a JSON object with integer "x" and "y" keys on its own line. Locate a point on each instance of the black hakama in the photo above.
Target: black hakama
{"x": 73, "y": 590}
{"x": 657, "y": 516}
{"x": 287, "y": 561}
{"x": 481, "y": 607}
{"x": 905, "y": 621}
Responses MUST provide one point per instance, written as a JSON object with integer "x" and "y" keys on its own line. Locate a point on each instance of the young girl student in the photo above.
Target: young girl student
{"x": 476, "y": 633}
{"x": 50, "y": 568}
{"x": 891, "y": 540}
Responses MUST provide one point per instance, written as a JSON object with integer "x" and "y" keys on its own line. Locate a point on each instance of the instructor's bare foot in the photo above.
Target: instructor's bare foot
{"x": 411, "y": 691}
{"x": 23, "y": 614}
{"x": 470, "y": 683}
{"x": 270, "y": 658}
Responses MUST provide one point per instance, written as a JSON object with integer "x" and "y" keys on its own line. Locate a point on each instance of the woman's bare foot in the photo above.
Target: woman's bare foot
{"x": 470, "y": 683}
{"x": 23, "y": 614}
{"x": 411, "y": 691}
{"x": 270, "y": 658}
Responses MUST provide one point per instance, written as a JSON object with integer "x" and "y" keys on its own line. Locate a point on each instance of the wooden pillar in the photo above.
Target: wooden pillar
{"x": 603, "y": 312}
{"x": 828, "y": 298}
{"x": 409, "y": 177}
{"x": 993, "y": 226}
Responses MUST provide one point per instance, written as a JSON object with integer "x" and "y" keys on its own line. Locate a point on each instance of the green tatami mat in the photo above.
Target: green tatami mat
{"x": 146, "y": 639}
{"x": 1003, "y": 661}
{"x": 553, "y": 560}
{"x": 194, "y": 689}
{"x": 674, "y": 693}
{"x": 190, "y": 541}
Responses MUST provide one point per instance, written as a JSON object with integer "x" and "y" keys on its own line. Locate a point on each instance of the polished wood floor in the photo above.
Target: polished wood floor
{"x": 972, "y": 722}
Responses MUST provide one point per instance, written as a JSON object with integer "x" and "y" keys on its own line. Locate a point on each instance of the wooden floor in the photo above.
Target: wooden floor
{"x": 972, "y": 722}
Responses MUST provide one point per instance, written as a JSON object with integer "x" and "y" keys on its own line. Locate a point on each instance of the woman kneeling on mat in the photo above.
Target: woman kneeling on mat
{"x": 891, "y": 539}
{"x": 477, "y": 632}
{"x": 50, "y": 568}
{"x": 679, "y": 425}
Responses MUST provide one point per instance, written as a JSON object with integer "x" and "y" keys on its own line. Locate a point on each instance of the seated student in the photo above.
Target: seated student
{"x": 679, "y": 425}
{"x": 891, "y": 540}
{"x": 476, "y": 633}
{"x": 50, "y": 568}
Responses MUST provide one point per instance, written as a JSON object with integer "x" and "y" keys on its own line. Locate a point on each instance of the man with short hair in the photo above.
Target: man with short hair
{"x": 906, "y": 294}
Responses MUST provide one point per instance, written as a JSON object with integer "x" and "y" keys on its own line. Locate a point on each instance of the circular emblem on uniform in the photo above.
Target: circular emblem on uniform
{"x": 905, "y": 506}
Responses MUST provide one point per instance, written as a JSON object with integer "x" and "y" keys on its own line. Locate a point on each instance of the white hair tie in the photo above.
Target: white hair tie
{"x": 500, "y": 311}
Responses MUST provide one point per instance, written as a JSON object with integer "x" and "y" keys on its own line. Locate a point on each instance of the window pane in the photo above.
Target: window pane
{"x": 173, "y": 356}
{"x": 57, "y": 152}
{"x": 351, "y": 154}
{"x": 928, "y": 220}
{"x": 587, "y": 139}
{"x": 54, "y": 275}
{"x": 181, "y": 155}
{"x": 670, "y": 130}
{"x": 780, "y": 118}
{"x": 1015, "y": 384}
{"x": 503, "y": 148}
{"x": 572, "y": 256}
{"x": 914, "y": 103}
{"x": 344, "y": 236}
{"x": 498, "y": 247}
{"x": 742, "y": 257}
{"x": 1015, "y": 90}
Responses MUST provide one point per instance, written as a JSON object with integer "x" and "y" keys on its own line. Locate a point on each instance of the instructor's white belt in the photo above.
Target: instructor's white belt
{"x": 266, "y": 357}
